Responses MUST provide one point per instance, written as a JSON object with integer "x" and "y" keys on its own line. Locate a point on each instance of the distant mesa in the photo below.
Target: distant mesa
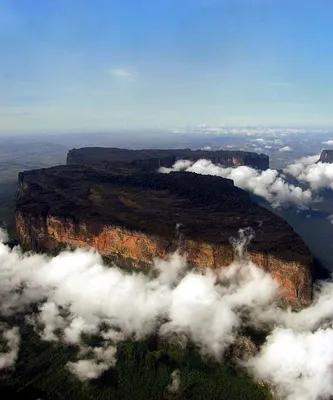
{"x": 150, "y": 160}
{"x": 326, "y": 156}
{"x": 115, "y": 201}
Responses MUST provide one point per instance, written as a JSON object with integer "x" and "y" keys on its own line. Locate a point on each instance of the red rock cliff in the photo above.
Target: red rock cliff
{"x": 132, "y": 220}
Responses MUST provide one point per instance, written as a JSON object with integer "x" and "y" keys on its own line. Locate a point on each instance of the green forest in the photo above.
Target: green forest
{"x": 142, "y": 371}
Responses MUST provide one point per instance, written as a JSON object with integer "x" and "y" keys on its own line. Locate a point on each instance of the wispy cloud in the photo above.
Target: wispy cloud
{"x": 285, "y": 148}
{"x": 121, "y": 73}
{"x": 279, "y": 84}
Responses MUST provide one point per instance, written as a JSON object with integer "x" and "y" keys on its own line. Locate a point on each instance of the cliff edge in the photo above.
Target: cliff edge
{"x": 131, "y": 219}
{"x": 150, "y": 160}
{"x": 326, "y": 156}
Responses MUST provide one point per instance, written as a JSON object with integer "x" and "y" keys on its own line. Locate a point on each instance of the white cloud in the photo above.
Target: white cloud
{"x": 298, "y": 364}
{"x": 175, "y": 382}
{"x": 206, "y": 308}
{"x": 249, "y": 130}
{"x": 11, "y": 339}
{"x": 299, "y": 350}
{"x": 328, "y": 142}
{"x": 285, "y": 148}
{"x": 121, "y": 73}
{"x": 267, "y": 184}
{"x": 201, "y": 307}
{"x": 87, "y": 369}
{"x": 270, "y": 184}
{"x": 317, "y": 174}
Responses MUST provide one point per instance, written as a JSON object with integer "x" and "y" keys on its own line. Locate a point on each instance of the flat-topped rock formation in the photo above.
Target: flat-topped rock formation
{"x": 151, "y": 160}
{"x": 131, "y": 219}
{"x": 326, "y": 156}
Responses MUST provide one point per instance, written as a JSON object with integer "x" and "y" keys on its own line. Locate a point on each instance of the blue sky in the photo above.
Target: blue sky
{"x": 104, "y": 64}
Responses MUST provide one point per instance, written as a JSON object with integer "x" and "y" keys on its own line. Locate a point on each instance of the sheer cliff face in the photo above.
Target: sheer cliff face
{"x": 153, "y": 159}
{"x": 326, "y": 156}
{"x": 131, "y": 220}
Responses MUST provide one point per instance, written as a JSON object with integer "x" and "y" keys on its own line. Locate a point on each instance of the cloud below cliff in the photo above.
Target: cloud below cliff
{"x": 173, "y": 302}
{"x": 268, "y": 184}
{"x": 78, "y": 294}
{"x": 272, "y": 185}
{"x": 317, "y": 175}
{"x": 10, "y": 344}
{"x": 298, "y": 364}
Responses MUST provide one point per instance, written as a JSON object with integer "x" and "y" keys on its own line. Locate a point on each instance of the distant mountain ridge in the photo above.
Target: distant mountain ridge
{"x": 151, "y": 159}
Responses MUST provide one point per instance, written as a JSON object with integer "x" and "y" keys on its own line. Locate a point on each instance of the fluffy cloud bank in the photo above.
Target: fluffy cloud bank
{"x": 299, "y": 364}
{"x": 267, "y": 184}
{"x": 317, "y": 174}
{"x": 78, "y": 294}
{"x": 194, "y": 306}
{"x": 271, "y": 184}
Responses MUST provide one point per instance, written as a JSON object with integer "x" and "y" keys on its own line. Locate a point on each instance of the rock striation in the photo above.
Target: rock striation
{"x": 326, "y": 156}
{"x": 131, "y": 218}
{"x": 151, "y": 160}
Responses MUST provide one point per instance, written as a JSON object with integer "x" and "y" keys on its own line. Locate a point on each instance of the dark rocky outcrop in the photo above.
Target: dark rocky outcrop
{"x": 131, "y": 218}
{"x": 326, "y": 156}
{"x": 150, "y": 160}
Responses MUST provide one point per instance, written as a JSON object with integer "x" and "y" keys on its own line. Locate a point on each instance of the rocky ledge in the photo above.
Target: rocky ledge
{"x": 131, "y": 219}
{"x": 150, "y": 160}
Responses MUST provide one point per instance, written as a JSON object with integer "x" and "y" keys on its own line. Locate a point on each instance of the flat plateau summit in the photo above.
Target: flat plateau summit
{"x": 124, "y": 208}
